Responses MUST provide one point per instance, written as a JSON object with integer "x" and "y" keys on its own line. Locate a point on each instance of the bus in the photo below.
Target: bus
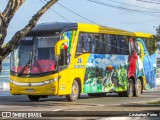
{"x": 69, "y": 59}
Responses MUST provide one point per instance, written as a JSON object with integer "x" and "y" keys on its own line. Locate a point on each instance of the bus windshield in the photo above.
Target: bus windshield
{"x": 35, "y": 56}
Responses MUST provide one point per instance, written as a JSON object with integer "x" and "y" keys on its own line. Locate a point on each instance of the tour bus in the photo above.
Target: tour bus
{"x": 69, "y": 59}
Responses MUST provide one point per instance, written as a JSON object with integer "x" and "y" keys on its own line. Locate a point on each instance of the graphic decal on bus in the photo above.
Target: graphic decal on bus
{"x": 70, "y": 36}
{"x": 109, "y": 73}
{"x": 106, "y": 73}
{"x": 148, "y": 64}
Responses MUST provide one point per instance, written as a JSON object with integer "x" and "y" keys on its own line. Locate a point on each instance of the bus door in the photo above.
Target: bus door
{"x": 63, "y": 69}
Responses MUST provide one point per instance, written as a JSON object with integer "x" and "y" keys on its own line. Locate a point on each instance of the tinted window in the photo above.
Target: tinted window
{"x": 122, "y": 45}
{"x": 84, "y": 43}
{"x": 107, "y": 44}
{"x": 102, "y": 44}
{"x": 99, "y": 44}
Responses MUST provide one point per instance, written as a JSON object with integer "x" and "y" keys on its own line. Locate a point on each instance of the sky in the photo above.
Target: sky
{"x": 107, "y": 15}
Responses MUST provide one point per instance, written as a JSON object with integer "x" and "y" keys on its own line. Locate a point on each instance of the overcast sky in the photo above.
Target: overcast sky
{"x": 111, "y": 13}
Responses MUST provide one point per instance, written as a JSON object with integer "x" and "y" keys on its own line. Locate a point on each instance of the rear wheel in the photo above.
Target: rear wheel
{"x": 130, "y": 90}
{"x": 138, "y": 88}
{"x": 33, "y": 97}
{"x": 75, "y": 92}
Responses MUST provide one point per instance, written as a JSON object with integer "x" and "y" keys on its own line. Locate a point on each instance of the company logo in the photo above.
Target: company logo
{"x": 6, "y": 114}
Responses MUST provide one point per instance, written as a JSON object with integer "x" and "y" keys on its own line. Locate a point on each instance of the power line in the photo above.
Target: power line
{"x": 125, "y": 9}
{"x": 156, "y": 10}
{"x": 76, "y": 13}
{"x": 56, "y": 11}
{"x": 154, "y": 2}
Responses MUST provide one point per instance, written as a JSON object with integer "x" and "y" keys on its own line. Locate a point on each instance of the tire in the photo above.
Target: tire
{"x": 138, "y": 88}
{"x": 130, "y": 90}
{"x": 75, "y": 92}
{"x": 33, "y": 97}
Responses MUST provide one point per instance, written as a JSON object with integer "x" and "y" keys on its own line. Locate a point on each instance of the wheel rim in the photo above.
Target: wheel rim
{"x": 75, "y": 91}
{"x": 138, "y": 87}
{"x": 130, "y": 88}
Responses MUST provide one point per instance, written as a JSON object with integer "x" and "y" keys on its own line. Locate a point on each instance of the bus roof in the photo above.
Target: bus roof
{"x": 51, "y": 28}
{"x": 141, "y": 34}
{"x": 58, "y": 27}
{"x": 102, "y": 29}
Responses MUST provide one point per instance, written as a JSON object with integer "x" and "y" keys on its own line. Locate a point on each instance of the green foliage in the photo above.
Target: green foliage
{"x": 151, "y": 45}
{"x": 157, "y": 36}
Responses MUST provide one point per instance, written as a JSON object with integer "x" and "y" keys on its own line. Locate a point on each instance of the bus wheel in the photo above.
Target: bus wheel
{"x": 33, "y": 97}
{"x": 75, "y": 92}
{"x": 130, "y": 89}
{"x": 138, "y": 88}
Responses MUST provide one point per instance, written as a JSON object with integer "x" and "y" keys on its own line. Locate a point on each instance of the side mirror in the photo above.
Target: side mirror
{"x": 58, "y": 47}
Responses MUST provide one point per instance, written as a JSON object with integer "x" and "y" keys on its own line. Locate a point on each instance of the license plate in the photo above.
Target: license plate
{"x": 29, "y": 90}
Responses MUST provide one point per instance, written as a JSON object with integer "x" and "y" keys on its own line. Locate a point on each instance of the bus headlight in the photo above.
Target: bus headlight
{"x": 33, "y": 83}
{"x": 11, "y": 81}
{"x": 51, "y": 80}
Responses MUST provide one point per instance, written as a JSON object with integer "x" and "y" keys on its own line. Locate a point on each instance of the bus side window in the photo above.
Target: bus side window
{"x": 99, "y": 44}
{"x": 84, "y": 43}
{"x": 122, "y": 45}
{"x": 114, "y": 44}
{"x": 131, "y": 45}
{"x": 87, "y": 41}
{"x": 80, "y": 44}
{"x": 92, "y": 46}
{"x": 107, "y": 44}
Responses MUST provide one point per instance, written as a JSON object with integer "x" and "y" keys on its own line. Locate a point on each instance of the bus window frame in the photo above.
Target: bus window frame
{"x": 102, "y": 35}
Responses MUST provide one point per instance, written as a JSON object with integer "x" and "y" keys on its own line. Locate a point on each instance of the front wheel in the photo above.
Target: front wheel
{"x": 33, "y": 97}
{"x": 75, "y": 92}
{"x": 138, "y": 88}
{"x": 130, "y": 88}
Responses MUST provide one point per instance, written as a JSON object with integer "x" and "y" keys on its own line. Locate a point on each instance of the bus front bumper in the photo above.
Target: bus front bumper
{"x": 48, "y": 89}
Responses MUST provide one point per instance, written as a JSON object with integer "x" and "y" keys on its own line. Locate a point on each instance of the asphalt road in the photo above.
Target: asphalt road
{"x": 87, "y": 105}
{"x": 55, "y": 103}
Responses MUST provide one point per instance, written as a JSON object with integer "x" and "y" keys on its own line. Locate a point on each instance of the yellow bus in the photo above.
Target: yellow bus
{"x": 67, "y": 59}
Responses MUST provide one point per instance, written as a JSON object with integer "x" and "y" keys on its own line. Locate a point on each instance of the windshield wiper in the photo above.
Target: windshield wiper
{"x": 28, "y": 65}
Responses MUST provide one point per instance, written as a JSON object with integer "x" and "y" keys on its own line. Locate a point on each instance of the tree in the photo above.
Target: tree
{"x": 158, "y": 33}
{"x": 5, "y": 19}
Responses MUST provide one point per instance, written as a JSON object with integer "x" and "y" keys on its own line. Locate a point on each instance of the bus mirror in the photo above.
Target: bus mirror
{"x": 58, "y": 47}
